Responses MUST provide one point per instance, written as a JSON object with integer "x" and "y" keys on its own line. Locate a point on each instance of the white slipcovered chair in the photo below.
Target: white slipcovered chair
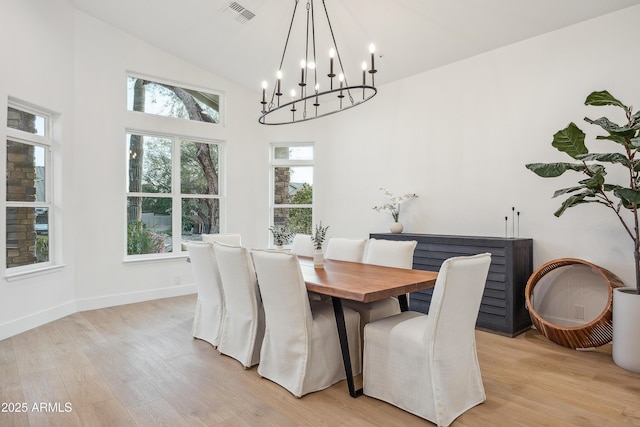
{"x": 302, "y": 245}
{"x": 210, "y": 303}
{"x": 301, "y": 350}
{"x": 226, "y": 238}
{"x": 342, "y": 249}
{"x": 389, "y": 253}
{"x": 427, "y": 364}
{"x": 243, "y": 320}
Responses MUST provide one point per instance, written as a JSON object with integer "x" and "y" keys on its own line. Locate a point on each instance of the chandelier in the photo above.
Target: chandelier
{"x": 308, "y": 97}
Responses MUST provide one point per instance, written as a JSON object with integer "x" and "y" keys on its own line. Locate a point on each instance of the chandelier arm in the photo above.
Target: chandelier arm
{"x": 313, "y": 43}
{"x": 333, "y": 38}
{"x": 284, "y": 51}
{"x": 305, "y": 74}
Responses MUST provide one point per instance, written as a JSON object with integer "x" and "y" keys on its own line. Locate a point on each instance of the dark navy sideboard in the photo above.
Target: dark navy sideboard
{"x": 502, "y": 309}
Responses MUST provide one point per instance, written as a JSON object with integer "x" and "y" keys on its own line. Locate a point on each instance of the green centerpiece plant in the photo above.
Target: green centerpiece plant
{"x": 318, "y": 239}
{"x": 281, "y": 235}
{"x": 319, "y": 236}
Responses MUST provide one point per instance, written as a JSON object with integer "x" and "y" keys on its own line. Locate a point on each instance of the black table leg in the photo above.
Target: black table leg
{"x": 344, "y": 346}
{"x": 404, "y": 303}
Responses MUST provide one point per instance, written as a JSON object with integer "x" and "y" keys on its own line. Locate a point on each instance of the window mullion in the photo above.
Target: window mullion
{"x": 176, "y": 204}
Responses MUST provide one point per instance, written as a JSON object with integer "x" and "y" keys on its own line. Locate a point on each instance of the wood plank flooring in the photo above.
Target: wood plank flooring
{"x": 137, "y": 365}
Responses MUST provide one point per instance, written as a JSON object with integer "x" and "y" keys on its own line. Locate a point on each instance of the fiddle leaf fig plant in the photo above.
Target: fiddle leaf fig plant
{"x": 622, "y": 198}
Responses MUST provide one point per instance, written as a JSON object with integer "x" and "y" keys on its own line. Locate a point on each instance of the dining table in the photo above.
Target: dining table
{"x": 342, "y": 280}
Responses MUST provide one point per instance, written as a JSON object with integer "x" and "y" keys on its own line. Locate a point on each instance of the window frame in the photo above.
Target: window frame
{"x": 46, "y": 142}
{"x": 175, "y": 194}
{"x": 276, "y": 163}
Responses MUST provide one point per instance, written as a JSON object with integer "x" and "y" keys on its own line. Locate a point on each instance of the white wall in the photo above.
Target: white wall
{"x": 37, "y": 67}
{"x": 460, "y": 137}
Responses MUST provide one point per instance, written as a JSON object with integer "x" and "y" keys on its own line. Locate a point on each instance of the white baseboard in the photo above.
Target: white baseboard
{"x": 34, "y": 320}
{"x": 85, "y": 304}
{"x": 23, "y": 324}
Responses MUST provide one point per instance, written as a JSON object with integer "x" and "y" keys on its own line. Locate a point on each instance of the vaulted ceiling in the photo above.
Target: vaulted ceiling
{"x": 243, "y": 40}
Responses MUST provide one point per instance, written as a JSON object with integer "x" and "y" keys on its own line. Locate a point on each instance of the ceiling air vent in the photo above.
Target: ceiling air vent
{"x": 239, "y": 13}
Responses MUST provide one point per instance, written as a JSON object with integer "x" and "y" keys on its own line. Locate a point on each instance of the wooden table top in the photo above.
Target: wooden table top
{"x": 363, "y": 282}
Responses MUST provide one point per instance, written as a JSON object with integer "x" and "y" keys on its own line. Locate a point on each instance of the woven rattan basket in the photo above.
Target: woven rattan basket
{"x": 595, "y": 333}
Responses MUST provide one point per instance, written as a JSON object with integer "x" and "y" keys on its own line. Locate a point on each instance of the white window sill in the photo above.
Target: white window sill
{"x": 133, "y": 259}
{"x": 12, "y": 276}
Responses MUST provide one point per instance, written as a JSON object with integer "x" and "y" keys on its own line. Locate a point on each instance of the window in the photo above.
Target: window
{"x": 292, "y": 187}
{"x": 28, "y": 208}
{"x": 173, "y": 171}
{"x": 172, "y": 101}
{"x": 172, "y": 192}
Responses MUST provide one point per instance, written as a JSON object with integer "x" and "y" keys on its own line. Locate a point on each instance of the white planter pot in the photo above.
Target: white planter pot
{"x": 626, "y": 335}
{"x": 318, "y": 259}
{"x": 396, "y": 227}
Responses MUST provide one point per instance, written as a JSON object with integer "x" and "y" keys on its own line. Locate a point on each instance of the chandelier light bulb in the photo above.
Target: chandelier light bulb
{"x": 303, "y": 65}
{"x": 332, "y": 53}
{"x": 278, "y": 92}
{"x": 317, "y": 88}
{"x": 264, "y": 94}
{"x": 341, "y": 77}
{"x": 372, "y": 49}
{"x": 293, "y": 93}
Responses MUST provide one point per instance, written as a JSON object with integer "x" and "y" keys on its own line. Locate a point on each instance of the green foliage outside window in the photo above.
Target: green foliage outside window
{"x": 42, "y": 248}
{"x": 142, "y": 241}
{"x": 300, "y": 219}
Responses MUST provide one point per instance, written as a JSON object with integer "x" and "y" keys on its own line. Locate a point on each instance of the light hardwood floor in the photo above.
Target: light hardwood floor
{"x": 137, "y": 365}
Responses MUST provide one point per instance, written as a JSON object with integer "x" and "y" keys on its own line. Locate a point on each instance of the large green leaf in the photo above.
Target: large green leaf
{"x": 603, "y": 98}
{"x": 551, "y": 170}
{"x": 605, "y": 157}
{"x": 567, "y": 191}
{"x": 596, "y": 168}
{"x": 615, "y": 138}
{"x": 628, "y": 196}
{"x": 611, "y": 187}
{"x": 611, "y": 127}
{"x": 570, "y": 202}
{"x": 593, "y": 182}
{"x": 570, "y": 140}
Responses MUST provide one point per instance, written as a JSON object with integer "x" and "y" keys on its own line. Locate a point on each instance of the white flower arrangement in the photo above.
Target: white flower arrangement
{"x": 394, "y": 206}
